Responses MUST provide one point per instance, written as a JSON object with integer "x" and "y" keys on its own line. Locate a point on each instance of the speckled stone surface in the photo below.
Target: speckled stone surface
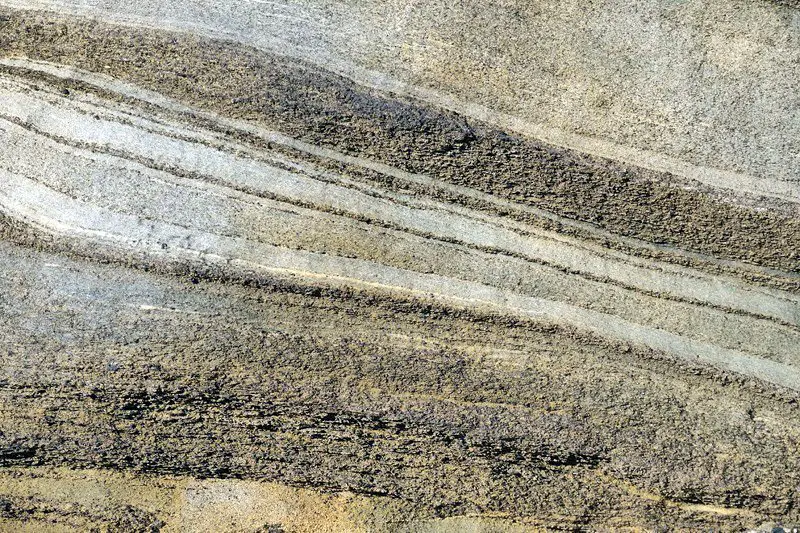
{"x": 399, "y": 266}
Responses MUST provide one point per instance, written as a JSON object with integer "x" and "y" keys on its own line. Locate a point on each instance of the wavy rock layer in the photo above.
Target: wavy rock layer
{"x": 220, "y": 262}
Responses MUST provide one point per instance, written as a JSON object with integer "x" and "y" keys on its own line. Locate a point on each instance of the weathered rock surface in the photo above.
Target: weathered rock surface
{"x": 399, "y": 266}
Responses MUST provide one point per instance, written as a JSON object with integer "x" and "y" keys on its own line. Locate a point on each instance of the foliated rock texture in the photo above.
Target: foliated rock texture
{"x": 387, "y": 266}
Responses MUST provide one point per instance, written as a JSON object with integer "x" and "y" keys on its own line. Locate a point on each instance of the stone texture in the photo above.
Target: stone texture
{"x": 406, "y": 266}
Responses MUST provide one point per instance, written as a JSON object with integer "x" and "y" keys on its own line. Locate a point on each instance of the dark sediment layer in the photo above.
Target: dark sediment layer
{"x": 127, "y": 364}
{"x": 448, "y": 412}
{"x": 328, "y": 110}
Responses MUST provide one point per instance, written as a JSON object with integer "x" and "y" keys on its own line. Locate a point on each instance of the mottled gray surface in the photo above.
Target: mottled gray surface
{"x": 538, "y": 269}
{"x": 708, "y": 82}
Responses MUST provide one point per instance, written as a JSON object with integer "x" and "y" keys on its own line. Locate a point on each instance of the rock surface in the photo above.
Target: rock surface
{"x": 289, "y": 266}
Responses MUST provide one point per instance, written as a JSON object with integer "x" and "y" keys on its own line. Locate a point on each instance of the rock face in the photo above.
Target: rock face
{"x": 407, "y": 266}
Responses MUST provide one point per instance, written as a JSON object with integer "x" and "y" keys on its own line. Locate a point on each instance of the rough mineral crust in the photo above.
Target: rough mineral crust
{"x": 399, "y": 266}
